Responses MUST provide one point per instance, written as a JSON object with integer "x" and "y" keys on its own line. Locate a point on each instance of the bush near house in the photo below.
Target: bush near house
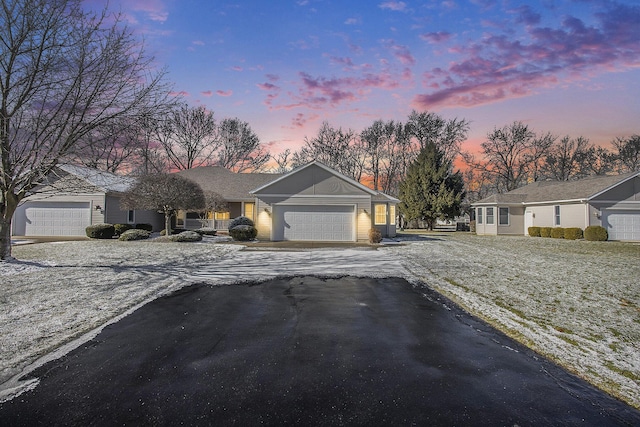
{"x": 173, "y": 231}
{"x": 134, "y": 234}
{"x": 545, "y": 231}
{"x": 121, "y": 228}
{"x": 243, "y": 232}
{"x": 596, "y": 233}
{"x": 206, "y": 231}
{"x": 375, "y": 236}
{"x": 143, "y": 226}
{"x": 573, "y": 233}
{"x": 557, "y": 233}
{"x": 534, "y": 231}
{"x": 186, "y": 236}
{"x": 101, "y": 231}
{"x": 241, "y": 220}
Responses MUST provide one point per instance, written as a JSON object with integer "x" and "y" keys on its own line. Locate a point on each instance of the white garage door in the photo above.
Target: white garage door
{"x": 622, "y": 225}
{"x": 314, "y": 223}
{"x": 52, "y": 219}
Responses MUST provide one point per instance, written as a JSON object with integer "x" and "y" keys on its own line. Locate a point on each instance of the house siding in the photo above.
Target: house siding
{"x": 313, "y": 181}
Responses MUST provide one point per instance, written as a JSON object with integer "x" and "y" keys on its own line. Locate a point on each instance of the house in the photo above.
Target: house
{"x": 612, "y": 202}
{"x": 310, "y": 203}
{"x": 74, "y": 197}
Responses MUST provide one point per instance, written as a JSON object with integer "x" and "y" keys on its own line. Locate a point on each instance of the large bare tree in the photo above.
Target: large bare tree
{"x": 628, "y": 155}
{"x": 447, "y": 135}
{"x": 566, "y": 159}
{"x": 240, "y": 149}
{"x": 63, "y": 73}
{"x": 512, "y": 155}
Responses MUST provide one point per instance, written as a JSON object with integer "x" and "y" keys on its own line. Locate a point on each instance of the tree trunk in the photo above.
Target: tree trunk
{"x": 7, "y": 209}
{"x": 167, "y": 222}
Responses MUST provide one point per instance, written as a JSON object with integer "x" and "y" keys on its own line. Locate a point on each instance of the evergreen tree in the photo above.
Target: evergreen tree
{"x": 430, "y": 189}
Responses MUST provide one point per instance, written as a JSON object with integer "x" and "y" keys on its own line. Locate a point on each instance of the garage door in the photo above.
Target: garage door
{"x": 52, "y": 219}
{"x": 314, "y": 223}
{"x": 622, "y": 225}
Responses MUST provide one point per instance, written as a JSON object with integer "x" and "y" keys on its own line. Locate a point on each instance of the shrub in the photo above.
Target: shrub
{"x": 557, "y": 233}
{"x": 134, "y": 234}
{"x": 545, "y": 231}
{"x": 374, "y": 235}
{"x": 163, "y": 232}
{"x": 534, "y": 231}
{"x": 121, "y": 228}
{"x": 241, "y": 220}
{"x": 573, "y": 233}
{"x": 100, "y": 231}
{"x": 186, "y": 236}
{"x": 243, "y": 232}
{"x": 147, "y": 227}
{"x": 596, "y": 233}
{"x": 206, "y": 231}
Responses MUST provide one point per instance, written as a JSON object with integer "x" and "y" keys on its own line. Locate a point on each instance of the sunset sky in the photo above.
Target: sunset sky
{"x": 571, "y": 67}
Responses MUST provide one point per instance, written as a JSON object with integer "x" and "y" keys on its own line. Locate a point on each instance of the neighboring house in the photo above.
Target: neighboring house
{"x": 74, "y": 197}
{"x": 310, "y": 203}
{"x": 612, "y": 202}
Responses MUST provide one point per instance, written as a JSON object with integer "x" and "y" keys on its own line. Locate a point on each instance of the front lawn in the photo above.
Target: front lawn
{"x": 577, "y": 302}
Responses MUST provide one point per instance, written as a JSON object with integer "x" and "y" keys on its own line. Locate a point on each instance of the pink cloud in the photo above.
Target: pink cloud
{"x": 267, "y": 86}
{"x": 237, "y": 68}
{"x": 401, "y": 53}
{"x": 224, "y": 92}
{"x": 501, "y": 67}
{"x": 155, "y": 9}
{"x": 180, "y": 93}
{"x": 206, "y": 93}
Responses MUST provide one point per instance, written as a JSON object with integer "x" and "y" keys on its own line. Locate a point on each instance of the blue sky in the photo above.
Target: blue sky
{"x": 571, "y": 67}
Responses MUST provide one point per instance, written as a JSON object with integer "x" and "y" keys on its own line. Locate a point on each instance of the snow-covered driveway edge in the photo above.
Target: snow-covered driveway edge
{"x": 573, "y": 302}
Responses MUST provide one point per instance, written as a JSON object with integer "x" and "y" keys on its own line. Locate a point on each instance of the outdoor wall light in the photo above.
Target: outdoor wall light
{"x": 98, "y": 208}
{"x": 597, "y": 214}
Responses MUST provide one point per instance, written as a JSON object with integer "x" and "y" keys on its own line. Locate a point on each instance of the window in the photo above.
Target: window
{"x": 131, "y": 217}
{"x": 380, "y": 217}
{"x": 248, "y": 210}
{"x": 392, "y": 214}
{"x": 503, "y": 216}
{"x": 556, "y": 215}
{"x": 479, "y": 220}
{"x": 221, "y": 215}
{"x": 490, "y": 216}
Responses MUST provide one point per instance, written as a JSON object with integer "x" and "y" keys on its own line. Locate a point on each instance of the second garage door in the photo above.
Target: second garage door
{"x": 52, "y": 219}
{"x": 622, "y": 225}
{"x": 314, "y": 223}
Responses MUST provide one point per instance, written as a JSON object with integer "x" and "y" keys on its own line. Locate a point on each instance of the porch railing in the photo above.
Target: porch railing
{"x": 217, "y": 224}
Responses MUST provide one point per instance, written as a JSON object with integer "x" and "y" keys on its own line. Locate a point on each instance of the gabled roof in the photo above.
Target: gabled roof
{"x": 559, "y": 191}
{"x": 230, "y": 185}
{"x": 104, "y": 181}
{"x": 323, "y": 166}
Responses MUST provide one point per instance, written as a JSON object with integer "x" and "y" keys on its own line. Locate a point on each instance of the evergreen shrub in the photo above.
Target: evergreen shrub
{"x": 545, "y": 231}
{"x": 243, "y": 232}
{"x": 241, "y": 220}
{"x": 573, "y": 233}
{"x": 534, "y": 231}
{"x": 134, "y": 234}
{"x": 143, "y": 226}
{"x": 100, "y": 231}
{"x": 121, "y": 228}
{"x": 186, "y": 236}
{"x": 557, "y": 233}
{"x": 596, "y": 233}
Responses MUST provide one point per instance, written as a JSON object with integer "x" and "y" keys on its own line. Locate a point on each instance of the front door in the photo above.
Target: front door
{"x": 528, "y": 222}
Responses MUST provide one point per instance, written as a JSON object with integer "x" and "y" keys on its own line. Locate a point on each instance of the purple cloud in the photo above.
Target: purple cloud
{"x": 438, "y": 37}
{"x": 502, "y": 66}
{"x": 224, "y": 93}
{"x": 398, "y": 6}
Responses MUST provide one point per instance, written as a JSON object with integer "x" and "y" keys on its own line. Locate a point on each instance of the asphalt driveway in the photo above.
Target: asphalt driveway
{"x": 307, "y": 351}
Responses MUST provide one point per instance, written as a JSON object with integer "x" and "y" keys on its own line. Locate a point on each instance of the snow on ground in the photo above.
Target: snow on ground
{"x": 577, "y": 302}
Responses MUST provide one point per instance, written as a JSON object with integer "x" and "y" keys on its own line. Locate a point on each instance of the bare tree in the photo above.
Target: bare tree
{"x": 335, "y": 148}
{"x": 511, "y": 156}
{"x": 447, "y": 135}
{"x": 628, "y": 153}
{"x": 565, "y": 159}
{"x": 600, "y": 161}
{"x": 283, "y": 161}
{"x": 166, "y": 193}
{"x": 189, "y": 136}
{"x": 239, "y": 147}
{"x": 64, "y": 74}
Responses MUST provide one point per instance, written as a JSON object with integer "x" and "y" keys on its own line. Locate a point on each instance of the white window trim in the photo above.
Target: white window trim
{"x": 480, "y": 216}
{"x": 557, "y": 219}
{"x": 375, "y": 214}
{"x": 508, "y": 216}
{"x": 493, "y": 216}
